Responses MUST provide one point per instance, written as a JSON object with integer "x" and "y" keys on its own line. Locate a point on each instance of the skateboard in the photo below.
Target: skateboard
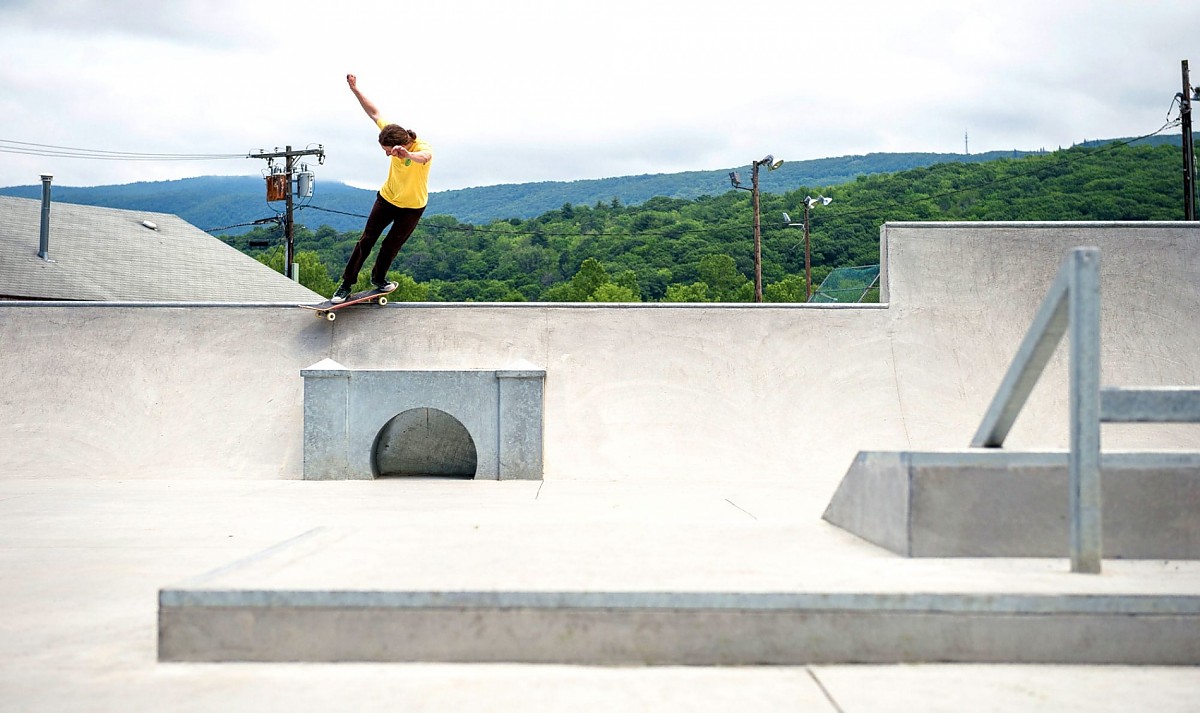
{"x": 328, "y": 310}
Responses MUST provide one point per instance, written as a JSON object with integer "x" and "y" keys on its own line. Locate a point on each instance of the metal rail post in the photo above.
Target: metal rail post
{"x": 1084, "y": 327}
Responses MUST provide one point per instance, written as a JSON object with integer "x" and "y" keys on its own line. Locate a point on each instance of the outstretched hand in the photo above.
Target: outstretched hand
{"x": 365, "y": 103}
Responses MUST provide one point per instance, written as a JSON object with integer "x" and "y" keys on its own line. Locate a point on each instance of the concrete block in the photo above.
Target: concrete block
{"x": 983, "y": 503}
{"x": 675, "y": 628}
{"x": 363, "y": 423}
{"x": 522, "y": 401}
{"x": 326, "y": 398}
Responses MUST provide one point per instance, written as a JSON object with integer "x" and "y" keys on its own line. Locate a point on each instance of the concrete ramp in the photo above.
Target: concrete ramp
{"x": 128, "y": 391}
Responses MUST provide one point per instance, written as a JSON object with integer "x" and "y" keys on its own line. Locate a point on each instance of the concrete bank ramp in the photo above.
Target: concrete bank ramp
{"x": 694, "y": 392}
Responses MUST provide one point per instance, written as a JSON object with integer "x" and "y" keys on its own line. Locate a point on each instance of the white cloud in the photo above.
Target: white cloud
{"x": 567, "y": 90}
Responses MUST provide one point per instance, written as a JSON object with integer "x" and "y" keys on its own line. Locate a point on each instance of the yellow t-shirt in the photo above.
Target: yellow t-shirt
{"x": 407, "y": 184}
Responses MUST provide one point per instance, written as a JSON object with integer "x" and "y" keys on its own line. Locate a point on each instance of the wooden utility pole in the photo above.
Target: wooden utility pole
{"x": 758, "y": 294}
{"x": 1189, "y": 150}
{"x": 807, "y": 254}
{"x": 809, "y": 202}
{"x": 289, "y": 170}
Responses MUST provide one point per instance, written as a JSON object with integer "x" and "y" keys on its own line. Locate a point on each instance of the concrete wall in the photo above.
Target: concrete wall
{"x": 654, "y": 391}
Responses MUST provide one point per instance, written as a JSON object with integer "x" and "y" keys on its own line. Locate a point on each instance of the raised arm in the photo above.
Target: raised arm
{"x": 367, "y": 105}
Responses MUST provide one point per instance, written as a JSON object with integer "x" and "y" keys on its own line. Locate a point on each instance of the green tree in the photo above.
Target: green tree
{"x": 313, "y": 273}
{"x": 627, "y": 280}
{"x": 789, "y": 289}
{"x": 724, "y": 281}
{"x": 695, "y": 292}
{"x": 582, "y": 286}
{"x": 610, "y": 292}
{"x": 408, "y": 289}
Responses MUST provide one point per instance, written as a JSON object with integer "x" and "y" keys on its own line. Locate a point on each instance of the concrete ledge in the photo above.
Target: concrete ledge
{"x": 472, "y": 306}
{"x": 987, "y": 503}
{"x": 676, "y": 628}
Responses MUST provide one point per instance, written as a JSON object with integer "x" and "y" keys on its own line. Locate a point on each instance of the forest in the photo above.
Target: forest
{"x": 701, "y": 249}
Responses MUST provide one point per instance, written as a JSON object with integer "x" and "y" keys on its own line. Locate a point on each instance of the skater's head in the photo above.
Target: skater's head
{"x": 396, "y": 135}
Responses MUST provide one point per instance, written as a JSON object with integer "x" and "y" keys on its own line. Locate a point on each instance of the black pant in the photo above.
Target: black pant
{"x": 404, "y": 222}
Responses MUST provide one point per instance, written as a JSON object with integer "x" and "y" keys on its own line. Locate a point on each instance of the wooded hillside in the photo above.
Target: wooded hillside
{"x": 701, "y": 249}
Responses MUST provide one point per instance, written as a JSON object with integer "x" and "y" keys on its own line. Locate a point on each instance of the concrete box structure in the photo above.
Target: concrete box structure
{"x": 980, "y": 503}
{"x": 363, "y": 423}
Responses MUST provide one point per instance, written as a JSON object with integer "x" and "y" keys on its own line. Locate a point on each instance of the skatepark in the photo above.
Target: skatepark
{"x": 167, "y": 545}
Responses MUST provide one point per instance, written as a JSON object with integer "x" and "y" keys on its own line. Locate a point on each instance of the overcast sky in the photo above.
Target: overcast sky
{"x": 532, "y": 90}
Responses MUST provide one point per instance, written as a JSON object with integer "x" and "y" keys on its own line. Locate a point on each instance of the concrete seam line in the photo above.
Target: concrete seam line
{"x": 828, "y": 696}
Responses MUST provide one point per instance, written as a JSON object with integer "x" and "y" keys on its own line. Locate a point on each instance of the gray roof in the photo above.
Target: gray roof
{"x": 111, "y": 255}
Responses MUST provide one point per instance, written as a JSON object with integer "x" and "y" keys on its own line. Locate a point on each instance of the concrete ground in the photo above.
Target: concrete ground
{"x": 83, "y": 560}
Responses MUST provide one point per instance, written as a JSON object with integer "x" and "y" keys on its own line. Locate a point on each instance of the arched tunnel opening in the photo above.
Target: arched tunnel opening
{"x": 424, "y": 442}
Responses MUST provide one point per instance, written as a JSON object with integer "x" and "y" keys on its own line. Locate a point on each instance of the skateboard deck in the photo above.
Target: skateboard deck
{"x": 328, "y": 310}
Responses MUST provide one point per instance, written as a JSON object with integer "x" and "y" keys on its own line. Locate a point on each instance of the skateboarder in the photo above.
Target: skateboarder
{"x": 400, "y": 202}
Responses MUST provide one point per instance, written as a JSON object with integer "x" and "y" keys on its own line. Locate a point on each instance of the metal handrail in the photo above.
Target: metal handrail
{"x": 1072, "y": 305}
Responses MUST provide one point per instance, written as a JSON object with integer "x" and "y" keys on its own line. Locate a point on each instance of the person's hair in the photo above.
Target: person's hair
{"x": 396, "y": 135}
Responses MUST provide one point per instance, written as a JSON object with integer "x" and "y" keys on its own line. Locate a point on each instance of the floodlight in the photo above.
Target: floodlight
{"x": 787, "y": 218}
{"x": 777, "y": 164}
{"x": 733, "y": 178}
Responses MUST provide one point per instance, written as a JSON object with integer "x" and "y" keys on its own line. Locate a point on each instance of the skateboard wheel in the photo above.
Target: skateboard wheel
{"x": 330, "y": 316}
{"x": 382, "y": 301}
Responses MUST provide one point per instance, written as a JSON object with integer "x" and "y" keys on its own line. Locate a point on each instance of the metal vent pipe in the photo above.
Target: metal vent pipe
{"x": 44, "y": 249}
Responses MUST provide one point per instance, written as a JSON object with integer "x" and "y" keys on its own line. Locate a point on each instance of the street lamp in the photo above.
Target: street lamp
{"x": 771, "y": 164}
{"x": 809, "y": 202}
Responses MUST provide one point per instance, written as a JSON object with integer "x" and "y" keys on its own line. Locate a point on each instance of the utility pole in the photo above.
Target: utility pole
{"x": 289, "y": 170}
{"x": 807, "y": 253}
{"x": 809, "y": 202}
{"x": 758, "y": 295}
{"x": 771, "y": 164}
{"x": 1189, "y": 150}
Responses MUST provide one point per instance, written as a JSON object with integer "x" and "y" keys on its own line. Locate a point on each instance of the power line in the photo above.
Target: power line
{"x": 261, "y": 221}
{"x": 469, "y": 228}
{"x": 31, "y": 149}
{"x": 330, "y": 210}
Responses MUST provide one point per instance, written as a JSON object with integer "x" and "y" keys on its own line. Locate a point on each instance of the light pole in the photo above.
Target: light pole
{"x": 771, "y": 164}
{"x": 809, "y": 202}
